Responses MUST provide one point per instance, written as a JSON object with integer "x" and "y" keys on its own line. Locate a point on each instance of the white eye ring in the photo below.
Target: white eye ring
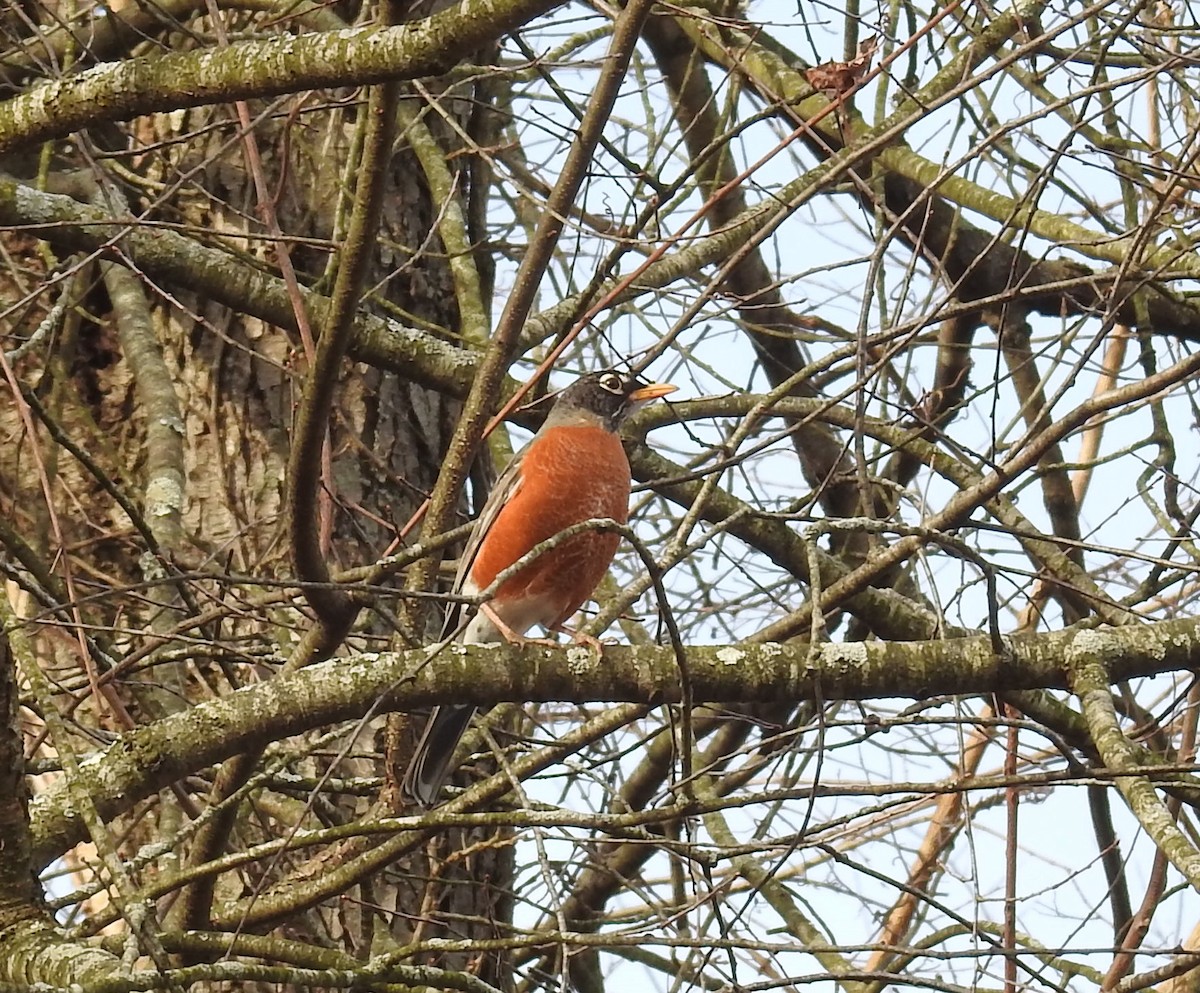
{"x": 612, "y": 382}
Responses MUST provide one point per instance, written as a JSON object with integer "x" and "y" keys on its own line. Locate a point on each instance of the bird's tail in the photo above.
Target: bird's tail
{"x": 432, "y": 758}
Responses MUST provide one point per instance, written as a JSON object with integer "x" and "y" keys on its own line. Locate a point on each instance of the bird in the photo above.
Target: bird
{"x": 574, "y": 469}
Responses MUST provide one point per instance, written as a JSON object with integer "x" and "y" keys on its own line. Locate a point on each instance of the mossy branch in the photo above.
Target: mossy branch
{"x": 152, "y": 757}
{"x": 122, "y": 90}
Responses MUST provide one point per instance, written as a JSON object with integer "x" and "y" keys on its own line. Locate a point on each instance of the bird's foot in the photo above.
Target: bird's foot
{"x": 595, "y": 644}
{"x": 507, "y": 633}
{"x": 582, "y": 638}
{"x": 520, "y": 640}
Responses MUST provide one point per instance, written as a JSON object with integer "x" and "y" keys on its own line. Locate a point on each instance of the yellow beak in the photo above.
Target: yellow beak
{"x": 652, "y": 392}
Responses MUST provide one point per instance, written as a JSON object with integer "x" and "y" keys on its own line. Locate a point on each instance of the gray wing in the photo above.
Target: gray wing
{"x": 506, "y": 486}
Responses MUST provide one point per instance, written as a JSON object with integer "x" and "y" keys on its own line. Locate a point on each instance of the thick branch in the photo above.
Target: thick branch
{"x": 121, "y": 90}
{"x": 225, "y": 278}
{"x": 152, "y": 757}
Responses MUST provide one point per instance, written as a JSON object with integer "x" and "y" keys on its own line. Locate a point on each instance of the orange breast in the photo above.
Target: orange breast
{"x": 569, "y": 475}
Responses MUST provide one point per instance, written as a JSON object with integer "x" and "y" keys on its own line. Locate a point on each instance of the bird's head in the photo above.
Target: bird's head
{"x": 608, "y": 395}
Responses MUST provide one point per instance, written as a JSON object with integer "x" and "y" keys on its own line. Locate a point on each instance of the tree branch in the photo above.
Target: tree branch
{"x": 152, "y": 757}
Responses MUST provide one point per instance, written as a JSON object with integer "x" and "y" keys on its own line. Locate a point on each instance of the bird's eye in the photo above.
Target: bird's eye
{"x": 612, "y": 382}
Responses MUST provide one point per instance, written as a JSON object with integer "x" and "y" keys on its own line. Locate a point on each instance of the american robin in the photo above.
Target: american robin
{"x": 574, "y": 469}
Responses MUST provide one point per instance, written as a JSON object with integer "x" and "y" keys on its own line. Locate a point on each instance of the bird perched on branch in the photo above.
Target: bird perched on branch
{"x": 573, "y": 470}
